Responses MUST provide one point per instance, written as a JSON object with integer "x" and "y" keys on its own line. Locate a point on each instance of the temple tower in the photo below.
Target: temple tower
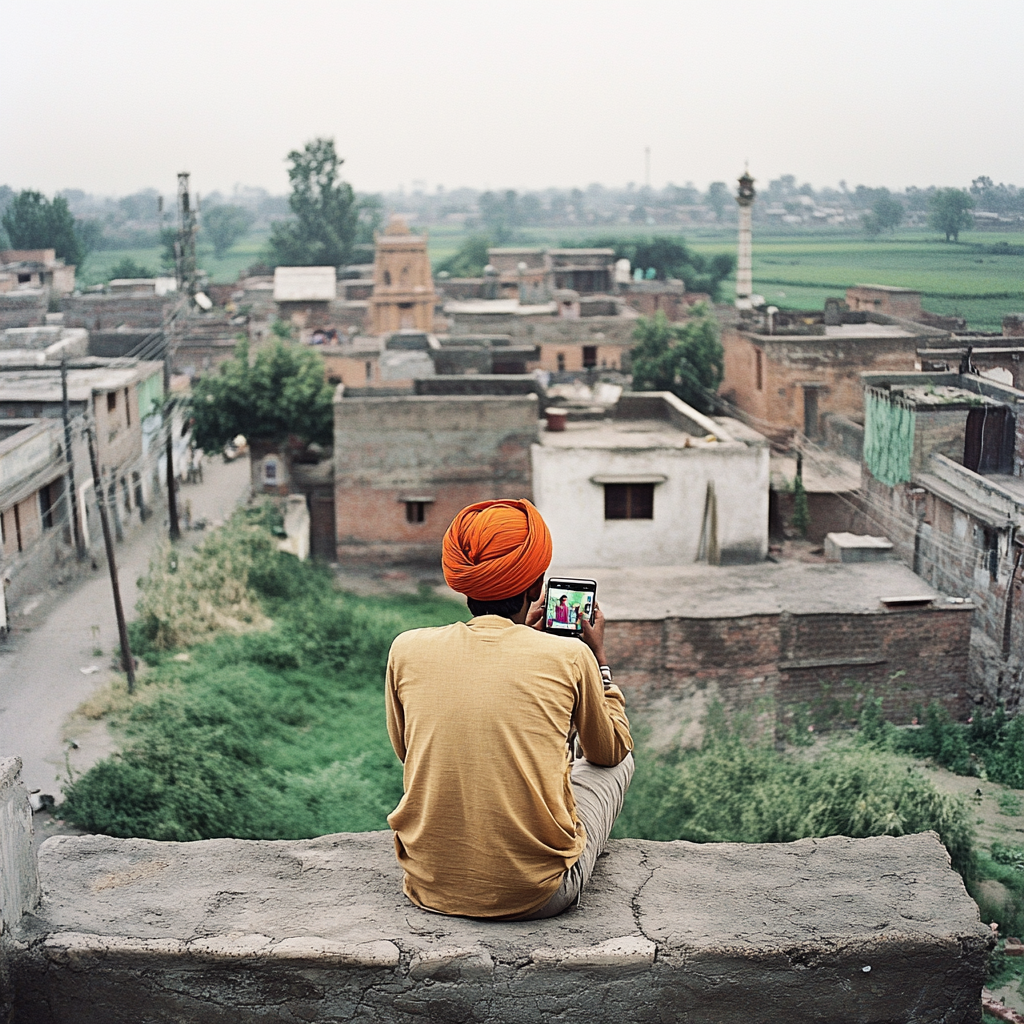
{"x": 745, "y": 255}
{"x": 403, "y": 288}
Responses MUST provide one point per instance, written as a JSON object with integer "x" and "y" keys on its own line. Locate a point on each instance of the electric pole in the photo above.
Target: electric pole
{"x": 75, "y": 530}
{"x": 185, "y": 245}
{"x": 127, "y": 661}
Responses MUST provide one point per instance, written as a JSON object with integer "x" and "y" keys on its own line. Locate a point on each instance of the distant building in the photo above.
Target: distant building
{"x": 785, "y": 372}
{"x": 403, "y": 289}
{"x": 656, "y": 484}
{"x": 27, "y": 269}
{"x": 883, "y": 298}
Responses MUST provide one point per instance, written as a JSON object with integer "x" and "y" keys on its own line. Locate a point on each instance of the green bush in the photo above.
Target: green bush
{"x": 739, "y": 788}
{"x": 990, "y": 746}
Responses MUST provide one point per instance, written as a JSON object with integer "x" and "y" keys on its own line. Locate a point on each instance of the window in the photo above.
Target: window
{"x": 369, "y": 370}
{"x": 415, "y": 511}
{"x": 111, "y": 401}
{"x": 561, "y": 362}
{"x": 127, "y": 408}
{"x": 589, "y": 356}
{"x": 270, "y": 472}
{"x": 629, "y": 501}
{"x": 387, "y": 277}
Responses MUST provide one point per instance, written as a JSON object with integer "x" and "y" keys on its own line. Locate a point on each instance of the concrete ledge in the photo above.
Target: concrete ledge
{"x": 836, "y": 929}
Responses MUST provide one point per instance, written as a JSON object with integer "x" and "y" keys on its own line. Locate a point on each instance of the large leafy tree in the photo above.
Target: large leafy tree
{"x": 469, "y": 259}
{"x": 951, "y": 212}
{"x": 326, "y": 211}
{"x": 32, "y": 221}
{"x": 670, "y": 258}
{"x": 225, "y": 225}
{"x": 282, "y": 393}
{"x": 684, "y": 358}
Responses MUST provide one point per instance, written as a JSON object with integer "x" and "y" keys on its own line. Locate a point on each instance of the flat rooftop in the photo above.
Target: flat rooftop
{"x": 823, "y": 473}
{"x": 44, "y": 385}
{"x": 629, "y": 435}
{"x": 701, "y": 591}
{"x": 500, "y": 306}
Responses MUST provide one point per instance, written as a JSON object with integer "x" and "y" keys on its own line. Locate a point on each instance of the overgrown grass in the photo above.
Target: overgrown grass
{"x": 738, "y": 788}
{"x": 274, "y": 733}
{"x": 990, "y": 746}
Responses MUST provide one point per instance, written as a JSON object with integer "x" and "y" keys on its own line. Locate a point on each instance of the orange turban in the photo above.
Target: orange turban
{"x": 496, "y": 549}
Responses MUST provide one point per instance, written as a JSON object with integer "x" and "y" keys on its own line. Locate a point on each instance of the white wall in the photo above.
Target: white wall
{"x": 573, "y": 507}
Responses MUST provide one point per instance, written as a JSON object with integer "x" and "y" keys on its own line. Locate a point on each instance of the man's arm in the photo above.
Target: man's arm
{"x": 395, "y": 711}
{"x": 601, "y": 713}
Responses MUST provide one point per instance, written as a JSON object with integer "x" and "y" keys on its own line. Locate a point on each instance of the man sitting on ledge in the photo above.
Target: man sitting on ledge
{"x": 498, "y": 821}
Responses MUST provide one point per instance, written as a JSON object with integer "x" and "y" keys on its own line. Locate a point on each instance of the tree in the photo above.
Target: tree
{"x": 951, "y": 212}
{"x": 469, "y": 260}
{"x": 283, "y": 393}
{"x": 718, "y": 198}
{"x": 31, "y": 221}
{"x": 324, "y": 228}
{"x": 127, "y": 267}
{"x": 225, "y": 225}
{"x": 669, "y": 258}
{"x": 686, "y": 358}
{"x": 887, "y": 210}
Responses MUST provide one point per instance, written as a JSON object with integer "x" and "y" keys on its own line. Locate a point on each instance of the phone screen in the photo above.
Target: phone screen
{"x": 568, "y": 603}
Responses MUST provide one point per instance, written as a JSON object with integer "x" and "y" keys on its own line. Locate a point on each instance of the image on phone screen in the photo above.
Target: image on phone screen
{"x": 567, "y": 607}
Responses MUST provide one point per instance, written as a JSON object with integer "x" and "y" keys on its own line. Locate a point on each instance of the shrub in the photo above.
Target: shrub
{"x": 740, "y": 789}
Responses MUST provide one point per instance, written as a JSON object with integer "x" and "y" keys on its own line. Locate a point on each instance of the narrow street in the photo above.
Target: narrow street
{"x": 56, "y": 635}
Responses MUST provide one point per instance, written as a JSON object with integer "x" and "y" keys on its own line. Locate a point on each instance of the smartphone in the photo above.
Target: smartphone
{"x": 567, "y": 603}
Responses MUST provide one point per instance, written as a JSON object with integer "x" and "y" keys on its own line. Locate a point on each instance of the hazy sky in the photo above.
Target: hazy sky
{"x": 112, "y": 96}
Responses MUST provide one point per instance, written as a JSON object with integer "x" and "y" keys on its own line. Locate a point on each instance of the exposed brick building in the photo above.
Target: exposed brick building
{"x": 797, "y": 633}
{"x": 403, "y": 467}
{"x": 787, "y": 372}
{"x": 944, "y": 480}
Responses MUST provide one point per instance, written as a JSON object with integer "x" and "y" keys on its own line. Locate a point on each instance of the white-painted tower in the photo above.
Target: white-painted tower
{"x": 745, "y": 255}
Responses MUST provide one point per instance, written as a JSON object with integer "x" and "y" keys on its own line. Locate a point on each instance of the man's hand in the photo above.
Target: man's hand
{"x": 535, "y": 616}
{"x": 593, "y": 635}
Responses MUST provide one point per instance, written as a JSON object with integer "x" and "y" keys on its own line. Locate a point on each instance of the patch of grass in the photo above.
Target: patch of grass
{"x": 1009, "y": 803}
{"x": 273, "y": 733}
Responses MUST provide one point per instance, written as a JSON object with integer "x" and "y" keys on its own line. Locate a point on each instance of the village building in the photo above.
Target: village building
{"x": 35, "y": 269}
{"x": 785, "y": 372}
{"x": 944, "y": 481}
{"x": 795, "y": 633}
{"x": 403, "y": 288}
{"x": 404, "y": 466}
{"x": 35, "y": 514}
{"x": 657, "y": 483}
{"x": 124, "y": 399}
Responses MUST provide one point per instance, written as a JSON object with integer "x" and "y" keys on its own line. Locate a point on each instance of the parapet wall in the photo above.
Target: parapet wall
{"x": 281, "y": 932}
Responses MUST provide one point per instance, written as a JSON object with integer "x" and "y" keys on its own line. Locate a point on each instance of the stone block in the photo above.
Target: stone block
{"x": 852, "y": 547}
{"x": 836, "y": 929}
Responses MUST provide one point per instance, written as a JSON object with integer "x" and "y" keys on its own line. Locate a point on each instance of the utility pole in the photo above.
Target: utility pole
{"x": 76, "y": 532}
{"x": 172, "y": 497}
{"x": 185, "y": 246}
{"x": 127, "y": 661}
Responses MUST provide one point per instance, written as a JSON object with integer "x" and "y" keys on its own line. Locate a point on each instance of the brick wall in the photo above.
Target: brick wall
{"x": 939, "y": 430}
{"x": 108, "y": 312}
{"x": 22, "y": 310}
{"x": 451, "y": 450}
{"x": 909, "y": 657}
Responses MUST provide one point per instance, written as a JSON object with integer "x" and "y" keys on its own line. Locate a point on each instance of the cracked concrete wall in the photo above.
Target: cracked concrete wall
{"x": 870, "y": 930}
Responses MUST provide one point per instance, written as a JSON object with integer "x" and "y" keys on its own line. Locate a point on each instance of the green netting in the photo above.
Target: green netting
{"x": 888, "y": 437}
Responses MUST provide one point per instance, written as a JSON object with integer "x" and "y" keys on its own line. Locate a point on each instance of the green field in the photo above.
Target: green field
{"x": 975, "y": 279}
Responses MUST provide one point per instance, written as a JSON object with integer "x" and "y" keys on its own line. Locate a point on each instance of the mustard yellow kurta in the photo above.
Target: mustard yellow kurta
{"x": 480, "y": 713}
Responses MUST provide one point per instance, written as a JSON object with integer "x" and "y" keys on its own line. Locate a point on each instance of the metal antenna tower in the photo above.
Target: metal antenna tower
{"x": 185, "y": 245}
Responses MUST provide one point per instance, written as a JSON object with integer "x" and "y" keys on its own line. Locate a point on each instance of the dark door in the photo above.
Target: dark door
{"x": 322, "y": 538}
{"x": 988, "y": 440}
